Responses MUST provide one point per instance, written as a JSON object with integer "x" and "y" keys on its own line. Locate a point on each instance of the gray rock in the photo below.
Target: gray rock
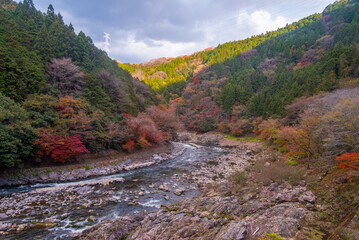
{"x": 92, "y": 219}
{"x": 118, "y": 228}
{"x": 307, "y": 197}
{"x": 273, "y": 186}
{"x": 84, "y": 190}
{"x": 3, "y": 216}
{"x": 163, "y": 188}
{"x": 21, "y": 227}
{"x": 5, "y": 226}
{"x": 302, "y": 183}
{"x": 179, "y": 191}
{"x": 65, "y": 215}
{"x": 44, "y": 177}
{"x": 235, "y": 231}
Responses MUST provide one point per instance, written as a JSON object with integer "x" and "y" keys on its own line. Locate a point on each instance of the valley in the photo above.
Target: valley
{"x": 253, "y": 139}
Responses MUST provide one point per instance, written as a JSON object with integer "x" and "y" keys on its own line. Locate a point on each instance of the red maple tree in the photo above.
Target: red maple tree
{"x": 59, "y": 148}
{"x": 348, "y": 161}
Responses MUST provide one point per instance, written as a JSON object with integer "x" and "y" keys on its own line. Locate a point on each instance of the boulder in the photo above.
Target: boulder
{"x": 273, "y": 186}
{"x": 307, "y": 197}
{"x": 179, "y": 191}
{"x": 118, "y": 228}
{"x": 163, "y": 188}
{"x": 5, "y": 226}
{"x": 3, "y": 216}
{"x": 235, "y": 231}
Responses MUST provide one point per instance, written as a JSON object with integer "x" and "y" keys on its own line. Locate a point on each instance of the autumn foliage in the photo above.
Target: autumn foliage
{"x": 348, "y": 161}
{"x": 129, "y": 146}
{"x": 144, "y": 131}
{"x": 59, "y": 148}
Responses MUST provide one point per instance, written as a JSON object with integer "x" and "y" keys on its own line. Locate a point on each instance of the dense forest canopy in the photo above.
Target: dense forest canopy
{"x": 63, "y": 95}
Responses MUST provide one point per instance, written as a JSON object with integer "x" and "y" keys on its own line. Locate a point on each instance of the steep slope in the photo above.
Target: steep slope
{"x": 160, "y": 73}
{"x": 30, "y": 39}
{"x": 63, "y": 97}
{"x": 262, "y": 81}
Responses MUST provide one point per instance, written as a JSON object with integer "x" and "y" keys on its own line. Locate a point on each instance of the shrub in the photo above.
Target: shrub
{"x": 292, "y": 163}
{"x": 238, "y": 177}
{"x": 271, "y": 236}
{"x": 267, "y": 130}
{"x": 223, "y": 127}
{"x": 129, "y": 146}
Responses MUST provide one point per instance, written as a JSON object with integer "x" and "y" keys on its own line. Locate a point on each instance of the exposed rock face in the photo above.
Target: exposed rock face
{"x": 235, "y": 231}
{"x": 280, "y": 209}
{"x": 119, "y": 228}
{"x": 219, "y": 218}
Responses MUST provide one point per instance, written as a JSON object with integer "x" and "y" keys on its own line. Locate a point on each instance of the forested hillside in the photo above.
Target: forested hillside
{"x": 298, "y": 90}
{"x": 263, "y": 85}
{"x": 166, "y": 75}
{"x": 60, "y": 95}
{"x": 262, "y": 81}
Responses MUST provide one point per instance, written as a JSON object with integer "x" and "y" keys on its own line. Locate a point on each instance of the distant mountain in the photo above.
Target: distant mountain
{"x": 179, "y": 69}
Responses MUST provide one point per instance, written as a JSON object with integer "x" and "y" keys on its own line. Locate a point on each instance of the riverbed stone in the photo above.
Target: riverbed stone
{"x": 179, "y": 191}
{"x": 84, "y": 190}
{"x": 216, "y": 214}
{"x": 163, "y": 188}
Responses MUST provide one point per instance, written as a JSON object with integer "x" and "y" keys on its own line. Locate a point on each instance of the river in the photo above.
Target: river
{"x": 56, "y": 210}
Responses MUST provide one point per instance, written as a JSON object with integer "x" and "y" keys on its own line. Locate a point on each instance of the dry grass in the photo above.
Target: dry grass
{"x": 267, "y": 172}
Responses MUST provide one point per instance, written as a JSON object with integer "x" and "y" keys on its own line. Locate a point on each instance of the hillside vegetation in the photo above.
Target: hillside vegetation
{"x": 61, "y": 96}
{"x": 282, "y": 85}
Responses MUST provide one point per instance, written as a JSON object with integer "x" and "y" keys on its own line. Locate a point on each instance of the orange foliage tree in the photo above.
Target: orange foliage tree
{"x": 348, "y": 161}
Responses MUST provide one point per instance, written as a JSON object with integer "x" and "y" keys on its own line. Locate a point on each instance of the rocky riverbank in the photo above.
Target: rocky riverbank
{"x": 55, "y": 210}
{"x": 223, "y": 210}
{"x": 83, "y": 171}
{"x": 169, "y": 203}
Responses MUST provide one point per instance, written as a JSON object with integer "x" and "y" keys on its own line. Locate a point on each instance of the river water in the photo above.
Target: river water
{"x": 73, "y": 212}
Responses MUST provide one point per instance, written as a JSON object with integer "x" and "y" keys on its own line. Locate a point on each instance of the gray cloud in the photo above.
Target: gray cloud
{"x": 145, "y": 29}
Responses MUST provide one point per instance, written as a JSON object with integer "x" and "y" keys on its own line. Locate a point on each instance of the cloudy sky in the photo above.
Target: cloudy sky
{"x": 146, "y": 29}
